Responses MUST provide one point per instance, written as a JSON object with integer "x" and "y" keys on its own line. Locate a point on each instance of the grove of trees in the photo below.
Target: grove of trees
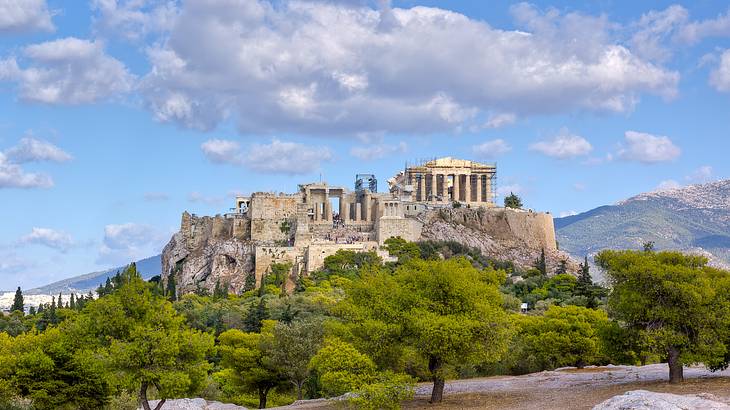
{"x": 362, "y": 327}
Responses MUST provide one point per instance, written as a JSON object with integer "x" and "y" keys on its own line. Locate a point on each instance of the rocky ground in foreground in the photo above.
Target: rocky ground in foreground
{"x": 564, "y": 389}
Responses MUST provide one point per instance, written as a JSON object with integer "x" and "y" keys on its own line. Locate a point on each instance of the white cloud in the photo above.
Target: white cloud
{"x": 655, "y": 29}
{"x": 24, "y": 16}
{"x": 648, "y": 148}
{"x": 281, "y": 157}
{"x": 500, "y": 120}
{"x": 67, "y": 71}
{"x": 667, "y": 185}
{"x": 13, "y": 176}
{"x": 694, "y": 32}
{"x": 51, "y": 238}
{"x": 701, "y": 175}
{"x": 133, "y": 19}
{"x": 125, "y": 243}
{"x": 30, "y": 149}
{"x": 327, "y": 68}
{"x": 222, "y": 151}
{"x": 491, "y": 149}
{"x": 564, "y": 146}
{"x": 377, "y": 151}
{"x": 720, "y": 76}
{"x": 579, "y": 186}
{"x": 564, "y": 214}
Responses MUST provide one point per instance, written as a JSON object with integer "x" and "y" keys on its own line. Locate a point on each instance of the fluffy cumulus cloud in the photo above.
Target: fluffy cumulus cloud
{"x": 278, "y": 157}
{"x": 67, "y": 71}
{"x": 51, "y": 238}
{"x": 221, "y": 151}
{"x": 694, "y": 31}
{"x": 563, "y": 146}
{"x": 29, "y": 149}
{"x": 377, "y": 151}
{"x": 648, "y": 148}
{"x": 656, "y": 29}
{"x": 720, "y": 76}
{"x": 491, "y": 149}
{"x": 282, "y": 157}
{"x": 129, "y": 242}
{"x": 24, "y": 16}
{"x": 500, "y": 120}
{"x": 343, "y": 68}
{"x": 133, "y": 19}
{"x": 13, "y": 176}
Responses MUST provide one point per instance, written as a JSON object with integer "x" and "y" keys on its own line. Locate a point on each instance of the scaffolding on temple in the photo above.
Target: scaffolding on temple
{"x": 365, "y": 182}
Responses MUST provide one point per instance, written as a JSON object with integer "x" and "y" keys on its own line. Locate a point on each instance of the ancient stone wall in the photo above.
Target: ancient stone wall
{"x": 407, "y": 228}
{"x": 273, "y": 217}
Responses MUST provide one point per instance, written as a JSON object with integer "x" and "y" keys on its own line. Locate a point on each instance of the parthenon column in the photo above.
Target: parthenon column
{"x": 444, "y": 188}
{"x": 479, "y": 188}
{"x": 366, "y": 207}
{"x": 490, "y": 197}
{"x": 456, "y": 188}
{"x": 467, "y": 189}
{"x": 422, "y": 187}
{"x": 317, "y": 214}
{"x": 434, "y": 186}
{"x": 345, "y": 215}
{"x": 358, "y": 211}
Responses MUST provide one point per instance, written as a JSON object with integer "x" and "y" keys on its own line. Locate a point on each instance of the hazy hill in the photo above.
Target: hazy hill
{"x": 696, "y": 218}
{"x": 84, "y": 283}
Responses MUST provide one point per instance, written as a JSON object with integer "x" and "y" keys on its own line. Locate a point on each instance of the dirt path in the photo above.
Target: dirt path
{"x": 566, "y": 389}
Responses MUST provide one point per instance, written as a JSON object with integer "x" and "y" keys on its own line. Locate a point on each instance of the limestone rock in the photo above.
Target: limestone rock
{"x": 502, "y": 234}
{"x": 195, "y": 404}
{"x": 647, "y": 400}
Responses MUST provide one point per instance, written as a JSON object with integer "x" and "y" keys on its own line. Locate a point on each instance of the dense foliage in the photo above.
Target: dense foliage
{"x": 435, "y": 311}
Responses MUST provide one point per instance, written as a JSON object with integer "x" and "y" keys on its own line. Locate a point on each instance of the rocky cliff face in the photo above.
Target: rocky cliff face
{"x": 207, "y": 250}
{"x": 503, "y": 234}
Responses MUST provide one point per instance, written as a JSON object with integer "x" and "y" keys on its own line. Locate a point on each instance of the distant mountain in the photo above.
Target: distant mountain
{"x": 693, "y": 218}
{"x": 83, "y": 284}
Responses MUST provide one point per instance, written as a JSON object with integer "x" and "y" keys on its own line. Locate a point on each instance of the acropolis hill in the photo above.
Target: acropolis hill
{"x": 440, "y": 199}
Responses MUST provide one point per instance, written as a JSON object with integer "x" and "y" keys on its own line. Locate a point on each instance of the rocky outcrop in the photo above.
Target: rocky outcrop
{"x": 502, "y": 234}
{"x": 647, "y": 400}
{"x": 194, "y": 404}
{"x": 208, "y": 250}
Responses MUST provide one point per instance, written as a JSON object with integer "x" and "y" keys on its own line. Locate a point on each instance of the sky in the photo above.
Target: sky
{"x": 118, "y": 115}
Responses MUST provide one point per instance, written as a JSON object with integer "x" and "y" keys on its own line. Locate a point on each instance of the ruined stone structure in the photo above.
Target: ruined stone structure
{"x": 303, "y": 228}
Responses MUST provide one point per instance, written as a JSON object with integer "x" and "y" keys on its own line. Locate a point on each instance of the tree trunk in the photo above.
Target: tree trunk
{"x": 434, "y": 365}
{"x": 299, "y": 389}
{"x": 159, "y": 405}
{"x": 263, "y": 392}
{"x": 676, "y": 370}
{"x": 143, "y": 396}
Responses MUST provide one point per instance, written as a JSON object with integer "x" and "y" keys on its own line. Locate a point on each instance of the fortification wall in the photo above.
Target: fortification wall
{"x": 407, "y": 228}
{"x": 273, "y": 217}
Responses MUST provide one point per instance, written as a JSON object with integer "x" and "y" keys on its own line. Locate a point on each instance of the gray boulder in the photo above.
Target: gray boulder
{"x": 647, "y": 400}
{"x": 195, "y": 404}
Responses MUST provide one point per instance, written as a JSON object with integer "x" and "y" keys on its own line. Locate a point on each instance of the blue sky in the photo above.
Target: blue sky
{"x": 116, "y": 116}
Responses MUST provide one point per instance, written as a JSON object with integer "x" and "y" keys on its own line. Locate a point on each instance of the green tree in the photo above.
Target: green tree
{"x": 668, "y": 299}
{"x": 250, "y": 282}
{"x": 294, "y": 345}
{"x": 246, "y": 359}
{"x": 147, "y": 340}
{"x": 72, "y": 302}
{"x": 541, "y": 263}
{"x": 562, "y": 267}
{"x": 445, "y": 312}
{"x": 341, "y": 367}
{"x": 512, "y": 201}
{"x": 18, "y": 304}
{"x": 563, "y": 336}
{"x": 402, "y": 249}
{"x": 255, "y": 317}
{"x": 171, "y": 290}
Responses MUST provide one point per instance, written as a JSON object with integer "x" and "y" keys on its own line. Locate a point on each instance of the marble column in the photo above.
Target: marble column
{"x": 345, "y": 216}
{"x": 366, "y": 207}
{"x": 479, "y": 188}
{"x": 327, "y": 211}
{"x": 444, "y": 188}
{"x": 467, "y": 188}
{"x": 358, "y": 211}
{"x": 317, "y": 214}
{"x": 434, "y": 187}
{"x": 457, "y": 188}
{"x": 422, "y": 187}
{"x": 490, "y": 197}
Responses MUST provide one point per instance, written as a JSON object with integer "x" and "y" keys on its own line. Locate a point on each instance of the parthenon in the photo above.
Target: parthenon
{"x": 447, "y": 180}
